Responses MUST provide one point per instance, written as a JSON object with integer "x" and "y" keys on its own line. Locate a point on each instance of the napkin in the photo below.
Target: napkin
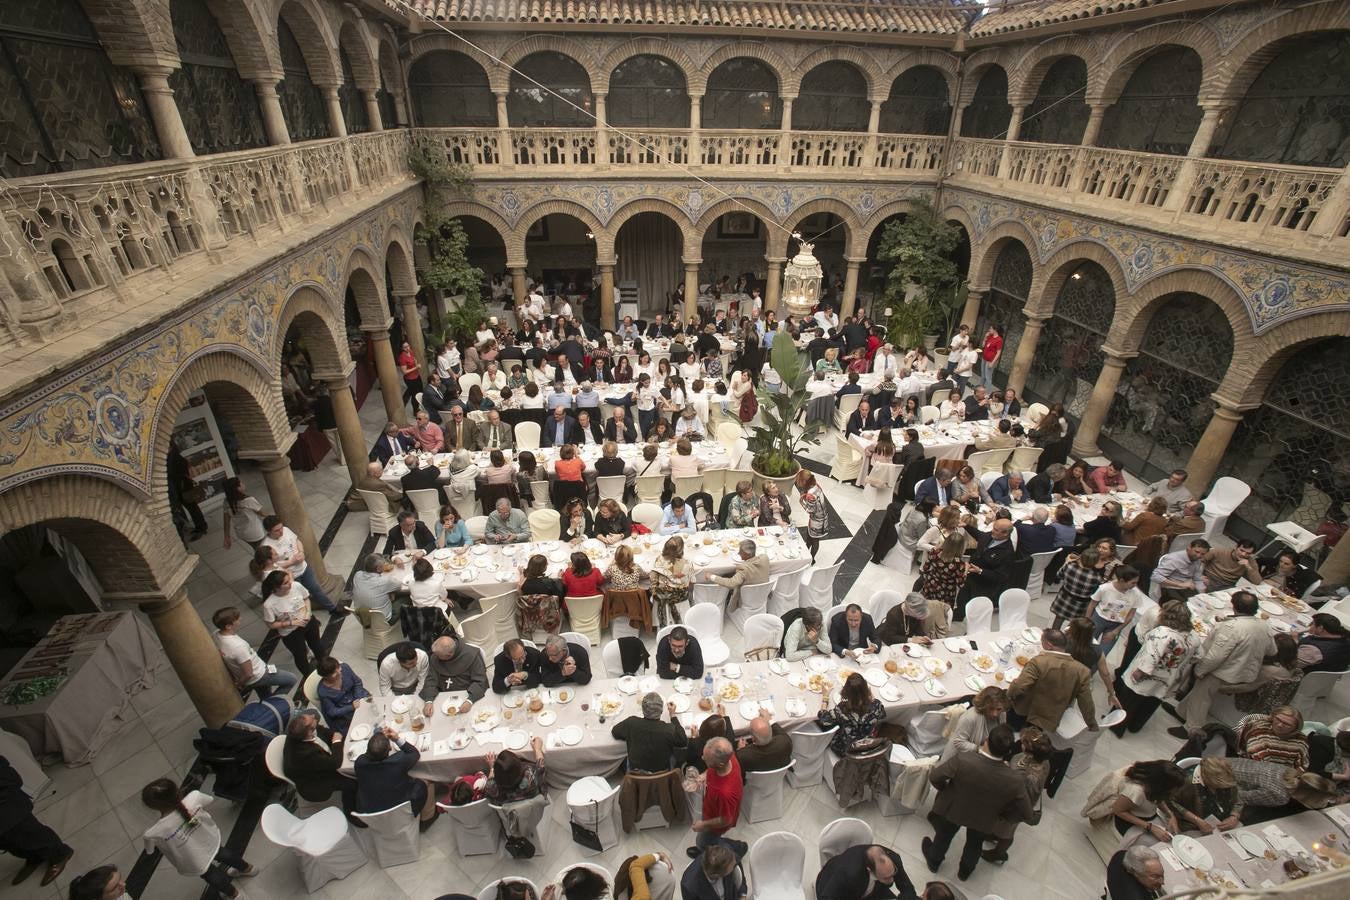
{"x": 1339, "y": 816}
{"x": 1169, "y": 856}
{"x": 440, "y": 748}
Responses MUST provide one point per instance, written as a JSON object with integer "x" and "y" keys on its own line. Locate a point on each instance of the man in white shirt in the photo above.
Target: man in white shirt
{"x": 964, "y": 366}
{"x": 886, "y": 361}
{"x": 404, "y": 671}
{"x": 493, "y": 377}
{"x": 243, "y": 662}
{"x": 909, "y": 384}
{"x": 564, "y": 308}
{"x": 960, "y": 343}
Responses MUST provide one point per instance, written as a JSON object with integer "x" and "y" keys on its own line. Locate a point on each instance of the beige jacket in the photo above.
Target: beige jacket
{"x": 1234, "y": 650}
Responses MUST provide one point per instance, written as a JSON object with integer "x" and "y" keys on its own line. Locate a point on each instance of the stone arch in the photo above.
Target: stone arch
{"x": 973, "y": 69}
{"x": 1135, "y": 47}
{"x": 513, "y": 54}
{"x": 984, "y": 252}
{"x": 1050, "y": 277}
{"x": 698, "y": 81}
{"x": 732, "y": 204}
{"x": 133, "y": 30}
{"x": 386, "y": 60}
{"x": 478, "y": 211}
{"x": 863, "y": 62}
{"x": 499, "y": 77}
{"x": 643, "y": 46}
{"x": 366, "y": 279}
{"x": 958, "y": 215}
{"x": 515, "y": 240}
{"x": 943, "y": 62}
{"x": 637, "y": 208}
{"x": 312, "y": 311}
{"x": 1024, "y": 80}
{"x": 778, "y": 240}
{"x": 398, "y": 261}
{"x": 308, "y": 25}
{"x": 878, "y": 216}
{"x": 1248, "y": 383}
{"x": 252, "y": 43}
{"x": 128, "y": 549}
{"x": 353, "y": 39}
{"x": 1245, "y": 61}
{"x": 1136, "y": 311}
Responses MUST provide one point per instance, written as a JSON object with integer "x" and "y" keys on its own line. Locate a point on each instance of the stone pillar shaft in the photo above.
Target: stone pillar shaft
{"x": 850, "y": 297}
{"x": 337, "y": 125}
{"x": 785, "y": 134}
{"x": 168, "y": 121}
{"x": 601, "y": 134}
{"x": 195, "y": 659}
{"x": 607, "y": 296}
{"x": 1014, "y": 129}
{"x": 695, "y": 123}
{"x": 348, "y": 426}
{"x": 1211, "y": 447}
{"x": 274, "y": 120}
{"x": 286, "y": 502}
{"x": 391, "y": 385}
{"x": 1103, "y": 394}
{"x": 1026, "y": 351}
{"x": 773, "y": 285}
{"x": 412, "y": 330}
{"x": 971, "y": 313}
{"x": 1094, "y": 126}
{"x": 372, "y": 101}
{"x": 691, "y": 287}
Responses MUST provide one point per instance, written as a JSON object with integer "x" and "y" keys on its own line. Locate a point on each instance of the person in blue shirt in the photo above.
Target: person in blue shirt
{"x": 558, "y": 397}
{"x": 678, "y": 518}
{"x": 340, "y": 692}
{"x": 588, "y": 398}
{"x": 450, "y": 529}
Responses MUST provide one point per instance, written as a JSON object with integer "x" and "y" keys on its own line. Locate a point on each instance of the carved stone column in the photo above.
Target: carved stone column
{"x": 273, "y": 119}
{"x": 504, "y": 132}
{"x": 194, "y": 657}
{"x": 601, "y": 134}
{"x": 168, "y": 121}
{"x": 371, "y": 96}
{"x": 1026, "y": 351}
{"x": 412, "y": 329}
{"x": 1213, "y": 444}
{"x": 518, "y": 289}
{"x": 873, "y": 124}
{"x": 773, "y": 284}
{"x": 391, "y": 385}
{"x": 691, "y": 286}
{"x": 971, "y": 313}
{"x": 337, "y": 125}
{"x": 850, "y": 297}
{"x": 1103, "y": 395}
{"x": 353, "y": 442}
{"x": 606, "y": 295}
{"x": 695, "y": 123}
{"x": 1199, "y": 149}
{"x": 957, "y": 115}
{"x": 1014, "y": 129}
{"x": 785, "y": 134}
{"x": 39, "y": 315}
{"x": 1094, "y": 125}
{"x": 287, "y": 503}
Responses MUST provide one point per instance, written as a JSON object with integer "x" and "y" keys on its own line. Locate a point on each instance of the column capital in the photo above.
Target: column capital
{"x": 1117, "y": 357}
{"x": 153, "y": 73}
{"x": 1228, "y": 408}
{"x": 692, "y": 263}
{"x": 514, "y": 264}
{"x": 377, "y": 331}
{"x": 787, "y": 98}
{"x": 405, "y": 296}
{"x": 610, "y": 263}
{"x": 335, "y": 377}
{"x": 1039, "y": 318}
{"x": 270, "y": 460}
{"x": 855, "y": 260}
{"x": 265, "y": 86}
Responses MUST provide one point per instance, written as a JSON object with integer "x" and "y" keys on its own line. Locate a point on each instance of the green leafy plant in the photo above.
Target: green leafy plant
{"x": 774, "y": 443}
{"x": 921, "y": 247}
{"x": 448, "y": 269}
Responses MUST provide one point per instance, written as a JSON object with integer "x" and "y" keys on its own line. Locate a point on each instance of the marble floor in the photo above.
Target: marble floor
{"x": 97, "y": 810}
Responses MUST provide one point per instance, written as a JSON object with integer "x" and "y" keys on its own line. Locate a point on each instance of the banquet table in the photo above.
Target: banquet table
{"x": 946, "y": 439}
{"x": 577, "y": 737}
{"x": 98, "y": 662}
{"x": 1257, "y": 856}
{"x": 1282, "y": 613}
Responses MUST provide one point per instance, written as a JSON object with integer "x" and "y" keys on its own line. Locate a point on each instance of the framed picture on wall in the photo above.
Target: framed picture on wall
{"x": 738, "y": 225}
{"x": 538, "y": 231}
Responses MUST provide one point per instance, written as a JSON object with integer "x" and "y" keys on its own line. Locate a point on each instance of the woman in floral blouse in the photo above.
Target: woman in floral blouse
{"x": 817, "y": 510}
{"x": 671, "y": 577}
{"x": 743, "y": 509}
{"x": 512, "y": 778}
{"x": 1157, "y": 668}
{"x": 944, "y": 571}
{"x": 857, "y": 714}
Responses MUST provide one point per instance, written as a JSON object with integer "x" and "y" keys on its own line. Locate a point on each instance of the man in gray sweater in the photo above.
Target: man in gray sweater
{"x": 454, "y": 667}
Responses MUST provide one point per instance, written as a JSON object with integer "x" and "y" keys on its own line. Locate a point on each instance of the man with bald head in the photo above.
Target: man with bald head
{"x": 454, "y": 667}
{"x": 991, "y": 562}
{"x": 722, "y": 792}
{"x": 864, "y": 872}
{"x": 1036, "y": 535}
{"x": 374, "y": 481}
{"x": 769, "y": 746}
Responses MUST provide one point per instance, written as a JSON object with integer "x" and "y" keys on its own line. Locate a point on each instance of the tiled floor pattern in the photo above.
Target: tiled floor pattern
{"x": 97, "y": 811}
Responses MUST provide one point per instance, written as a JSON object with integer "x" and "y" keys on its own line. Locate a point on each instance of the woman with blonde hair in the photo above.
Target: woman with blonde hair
{"x": 988, "y": 708}
{"x": 671, "y": 577}
{"x": 945, "y": 570}
{"x": 624, "y": 574}
{"x": 1212, "y": 793}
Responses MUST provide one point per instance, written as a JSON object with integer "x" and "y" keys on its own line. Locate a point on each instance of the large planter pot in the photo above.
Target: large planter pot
{"x": 784, "y": 483}
{"x": 940, "y": 356}
{"x": 930, "y": 341}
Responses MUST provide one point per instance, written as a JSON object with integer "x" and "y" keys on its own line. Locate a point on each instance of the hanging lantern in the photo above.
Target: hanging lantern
{"x": 801, "y": 280}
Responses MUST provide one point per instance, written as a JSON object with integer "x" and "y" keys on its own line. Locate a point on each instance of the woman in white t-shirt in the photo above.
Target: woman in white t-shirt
{"x": 243, "y": 515}
{"x": 189, "y": 838}
{"x": 1113, "y": 606}
{"x": 246, "y": 667}
{"x": 427, "y": 587}
{"x": 286, "y": 611}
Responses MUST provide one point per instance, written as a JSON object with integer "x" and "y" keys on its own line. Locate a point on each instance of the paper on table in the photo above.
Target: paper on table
{"x": 1340, "y": 817}
{"x": 1278, "y": 839}
{"x": 1235, "y": 848}
{"x": 440, "y": 748}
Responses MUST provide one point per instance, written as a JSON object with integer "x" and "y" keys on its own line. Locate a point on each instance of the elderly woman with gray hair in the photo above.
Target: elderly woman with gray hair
{"x": 806, "y": 636}
{"x": 651, "y": 741}
{"x": 988, "y": 708}
{"x": 915, "y": 619}
{"x": 1135, "y": 873}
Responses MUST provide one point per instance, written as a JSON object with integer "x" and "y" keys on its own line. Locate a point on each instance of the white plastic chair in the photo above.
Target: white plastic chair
{"x": 477, "y": 527}
{"x": 728, "y": 433}
{"x": 544, "y": 525}
{"x": 688, "y": 485}
{"x": 591, "y": 802}
{"x": 649, "y": 514}
{"x": 391, "y": 836}
{"x": 489, "y": 891}
{"x": 762, "y": 630}
{"x": 381, "y": 519}
{"x": 775, "y": 865}
{"x": 754, "y": 599}
{"x": 704, "y": 621}
{"x": 786, "y": 590}
{"x": 273, "y": 756}
{"x": 584, "y": 613}
{"x": 987, "y": 479}
{"x": 839, "y": 835}
{"x": 848, "y": 405}
{"x": 709, "y": 592}
{"x": 925, "y": 734}
{"x": 477, "y": 830}
{"x": 610, "y": 487}
{"x": 1012, "y": 609}
{"x": 809, "y": 744}
{"x": 929, "y": 414}
{"x": 818, "y": 590}
{"x": 321, "y": 843}
{"x": 504, "y": 606}
{"x": 715, "y": 485}
{"x": 1036, "y": 580}
{"x": 1024, "y": 459}
{"x": 1182, "y": 541}
{"x": 468, "y": 380}
{"x": 427, "y": 504}
{"x": 527, "y": 435}
{"x": 847, "y": 460}
{"x": 979, "y": 615}
{"x": 836, "y": 610}
{"x": 1316, "y": 686}
{"x": 764, "y": 794}
{"x": 881, "y": 603}
{"x": 649, "y": 488}
{"x": 1226, "y": 496}
{"x": 983, "y": 461}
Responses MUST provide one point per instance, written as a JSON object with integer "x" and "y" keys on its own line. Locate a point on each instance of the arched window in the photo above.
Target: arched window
{"x": 1069, "y": 357}
{"x": 742, "y": 93}
{"x": 1163, "y": 403}
{"x": 301, "y": 102}
{"x": 1297, "y": 111}
{"x": 648, "y": 92}
{"x": 833, "y": 97}
{"x": 1059, "y": 113}
{"x": 918, "y": 103}
{"x": 219, "y": 109}
{"x": 567, "y": 103}
{"x": 1005, "y": 305}
{"x": 1157, "y": 111}
{"x": 449, "y": 89}
{"x": 63, "y": 105}
{"x": 988, "y": 114}
{"x": 349, "y": 97}
{"x": 1294, "y": 450}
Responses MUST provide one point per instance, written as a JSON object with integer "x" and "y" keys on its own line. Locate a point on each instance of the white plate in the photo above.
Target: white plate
{"x": 875, "y": 677}
{"x": 890, "y": 692}
{"x": 571, "y": 735}
{"x": 649, "y": 684}
{"x": 547, "y": 717}
{"x": 986, "y": 669}
{"x": 628, "y": 684}
{"x": 516, "y": 740}
{"x": 401, "y": 704}
{"x": 935, "y": 666}
{"x": 679, "y": 701}
{"x": 459, "y": 740}
{"x": 935, "y": 688}
{"x": 732, "y": 671}
{"x": 513, "y": 700}
{"x": 442, "y": 553}
{"x": 916, "y": 650}
{"x": 1214, "y": 602}
{"x": 1112, "y": 718}
{"x": 956, "y": 645}
{"x": 449, "y": 707}
{"x": 749, "y": 710}
{"x": 819, "y": 663}
{"x": 558, "y": 556}
{"x": 684, "y": 685}
{"x": 615, "y": 703}
{"x": 1192, "y": 853}
{"x": 1275, "y": 609}
{"x": 479, "y": 549}
{"x": 975, "y": 683}
{"x": 778, "y": 666}
{"x": 564, "y": 695}
{"x": 359, "y": 732}
{"x": 1252, "y": 843}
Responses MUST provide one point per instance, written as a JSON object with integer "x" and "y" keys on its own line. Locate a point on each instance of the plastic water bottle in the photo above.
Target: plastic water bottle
{"x": 763, "y": 690}
{"x": 708, "y": 685}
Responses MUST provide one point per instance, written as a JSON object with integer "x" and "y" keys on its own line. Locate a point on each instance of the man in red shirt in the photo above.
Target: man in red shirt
{"x": 721, "y": 797}
{"x": 990, "y": 352}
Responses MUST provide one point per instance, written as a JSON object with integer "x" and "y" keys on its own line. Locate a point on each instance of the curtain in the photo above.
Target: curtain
{"x": 650, "y": 249}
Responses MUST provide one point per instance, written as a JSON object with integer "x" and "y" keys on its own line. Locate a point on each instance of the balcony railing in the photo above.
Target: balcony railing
{"x": 651, "y": 148}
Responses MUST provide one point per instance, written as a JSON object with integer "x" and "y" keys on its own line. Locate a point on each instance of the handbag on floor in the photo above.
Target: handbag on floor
{"x": 585, "y": 836}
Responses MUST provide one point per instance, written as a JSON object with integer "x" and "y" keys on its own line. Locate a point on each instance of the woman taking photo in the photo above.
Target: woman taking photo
{"x": 858, "y": 714}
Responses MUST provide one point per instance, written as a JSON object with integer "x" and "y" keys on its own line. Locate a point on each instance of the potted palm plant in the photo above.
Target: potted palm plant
{"x": 923, "y": 287}
{"x": 775, "y": 443}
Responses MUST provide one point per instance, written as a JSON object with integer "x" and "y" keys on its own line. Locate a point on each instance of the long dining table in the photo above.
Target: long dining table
{"x": 575, "y": 721}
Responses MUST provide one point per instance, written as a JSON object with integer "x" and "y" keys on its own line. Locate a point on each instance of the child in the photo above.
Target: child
{"x": 1113, "y": 606}
{"x": 189, "y": 838}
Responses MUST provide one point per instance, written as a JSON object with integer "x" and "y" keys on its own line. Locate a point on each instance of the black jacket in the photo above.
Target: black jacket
{"x": 691, "y": 664}
{"x": 571, "y": 431}
{"x": 397, "y": 542}
{"x": 845, "y": 877}
{"x": 996, "y": 563}
{"x": 838, "y": 631}
{"x": 15, "y": 806}
{"x": 384, "y": 452}
{"x": 1040, "y": 487}
{"x": 550, "y": 673}
{"x": 629, "y": 435}
{"x": 384, "y": 784}
{"x": 314, "y": 771}
{"x": 502, "y": 666}
{"x": 424, "y": 479}
{"x": 594, "y": 428}
{"x": 857, "y": 423}
{"x": 974, "y": 411}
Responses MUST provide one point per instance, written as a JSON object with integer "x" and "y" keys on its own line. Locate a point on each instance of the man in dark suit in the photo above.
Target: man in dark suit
{"x": 408, "y": 535}
{"x": 433, "y": 397}
{"x": 311, "y": 757}
{"x": 458, "y": 431}
{"x": 658, "y": 329}
{"x": 860, "y": 419}
{"x": 573, "y": 350}
{"x": 390, "y": 444}
{"x": 1036, "y": 536}
{"x": 425, "y": 478}
{"x": 559, "y": 428}
{"x": 853, "y": 630}
{"x": 563, "y": 662}
{"x": 992, "y": 561}
{"x": 23, "y": 835}
{"x": 494, "y": 434}
{"x": 536, "y": 351}
{"x": 977, "y": 406}
{"x": 849, "y": 875}
{"x": 517, "y": 666}
{"x": 937, "y": 488}
{"x": 977, "y": 791}
{"x": 620, "y": 428}
{"x": 769, "y": 747}
{"x": 854, "y": 333}
{"x": 588, "y": 424}
{"x": 562, "y": 367}
{"x": 383, "y": 782}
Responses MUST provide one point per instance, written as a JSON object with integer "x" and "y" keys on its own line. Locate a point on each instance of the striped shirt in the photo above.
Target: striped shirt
{"x": 1256, "y": 739}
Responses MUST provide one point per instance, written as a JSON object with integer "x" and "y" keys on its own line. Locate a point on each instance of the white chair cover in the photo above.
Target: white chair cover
{"x": 591, "y": 802}
{"x": 648, "y": 514}
{"x": 391, "y": 836}
{"x": 979, "y": 615}
{"x": 527, "y": 435}
{"x": 880, "y": 484}
{"x": 775, "y": 867}
{"x": 1012, "y": 609}
{"x": 476, "y": 526}
{"x": 322, "y": 843}
{"x": 786, "y": 591}
{"x": 809, "y": 744}
{"x": 704, "y": 620}
{"x": 754, "y": 600}
{"x": 1039, "y": 563}
{"x": 926, "y": 733}
{"x": 613, "y": 661}
{"x": 847, "y": 460}
{"x": 504, "y": 612}
{"x": 381, "y": 519}
{"x": 584, "y": 614}
{"x": 480, "y": 629}
{"x": 427, "y": 504}
{"x": 762, "y": 630}
{"x": 649, "y": 489}
{"x": 489, "y": 891}
{"x": 764, "y": 794}
{"x": 818, "y": 591}
{"x": 839, "y": 835}
{"x": 881, "y": 603}
{"x": 272, "y": 757}
{"x": 477, "y": 831}
{"x": 710, "y": 593}
{"x": 611, "y": 487}
{"x": 1073, "y": 734}
{"x": 544, "y": 525}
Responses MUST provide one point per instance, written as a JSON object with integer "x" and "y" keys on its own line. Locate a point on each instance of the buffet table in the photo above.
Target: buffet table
{"x": 65, "y": 695}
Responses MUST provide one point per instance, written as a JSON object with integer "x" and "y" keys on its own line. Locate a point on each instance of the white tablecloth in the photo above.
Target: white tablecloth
{"x": 713, "y": 454}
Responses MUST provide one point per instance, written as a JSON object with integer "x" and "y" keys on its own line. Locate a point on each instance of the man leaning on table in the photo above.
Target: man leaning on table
{"x": 516, "y": 666}
{"x": 408, "y": 535}
{"x": 1172, "y": 489}
{"x": 678, "y": 655}
{"x": 1179, "y": 575}
{"x": 1050, "y": 683}
{"x": 678, "y": 518}
{"x": 752, "y": 569}
{"x": 454, "y": 666}
{"x": 1231, "y": 654}
{"x": 562, "y": 662}
{"x": 506, "y": 525}
{"x": 852, "y": 630}
{"x": 650, "y": 740}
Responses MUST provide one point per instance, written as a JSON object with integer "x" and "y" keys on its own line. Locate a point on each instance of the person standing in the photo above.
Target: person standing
{"x": 22, "y": 835}
{"x": 243, "y": 515}
{"x": 817, "y": 510}
{"x": 189, "y": 838}
{"x": 722, "y": 791}
{"x": 989, "y": 354}
{"x": 290, "y": 555}
{"x": 412, "y": 375}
